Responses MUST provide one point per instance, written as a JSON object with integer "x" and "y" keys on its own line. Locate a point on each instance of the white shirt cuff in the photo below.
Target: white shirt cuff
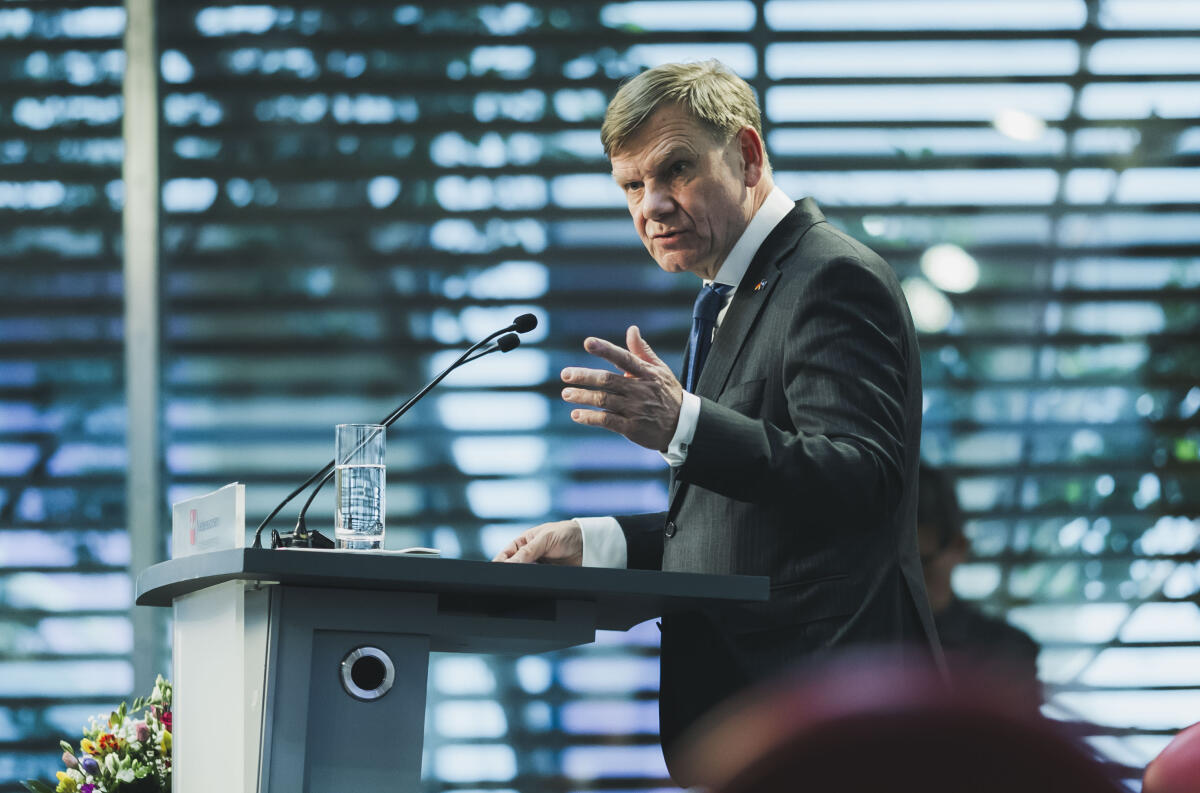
{"x": 603, "y": 542}
{"x": 685, "y": 430}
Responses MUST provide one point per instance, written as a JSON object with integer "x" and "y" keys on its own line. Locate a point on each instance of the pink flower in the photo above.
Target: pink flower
{"x": 166, "y": 719}
{"x": 143, "y": 731}
{"x": 69, "y": 760}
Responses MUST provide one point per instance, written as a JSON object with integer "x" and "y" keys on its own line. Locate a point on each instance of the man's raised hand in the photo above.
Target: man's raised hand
{"x": 643, "y": 404}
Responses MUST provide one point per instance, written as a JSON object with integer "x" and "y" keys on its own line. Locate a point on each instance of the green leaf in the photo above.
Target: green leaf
{"x": 66, "y": 747}
{"x": 36, "y": 786}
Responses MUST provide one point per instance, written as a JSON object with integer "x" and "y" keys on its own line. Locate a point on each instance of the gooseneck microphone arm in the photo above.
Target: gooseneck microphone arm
{"x": 504, "y": 344}
{"x": 522, "y": 324}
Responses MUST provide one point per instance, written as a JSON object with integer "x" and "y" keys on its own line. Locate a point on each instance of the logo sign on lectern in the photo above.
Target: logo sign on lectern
{"x": 214, "y": 521}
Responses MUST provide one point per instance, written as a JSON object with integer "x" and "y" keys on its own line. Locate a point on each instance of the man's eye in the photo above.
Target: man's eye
{"x": 632, "y": 187}
{"x": 678, "y": 167}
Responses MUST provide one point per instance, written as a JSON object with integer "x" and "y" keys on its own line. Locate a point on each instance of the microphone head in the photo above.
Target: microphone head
{"x": 524, "y": 323}
{"x": 509, "y": 341}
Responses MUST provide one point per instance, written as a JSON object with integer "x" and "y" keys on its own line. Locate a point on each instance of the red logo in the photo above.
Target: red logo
{"x": 192, "y": 527}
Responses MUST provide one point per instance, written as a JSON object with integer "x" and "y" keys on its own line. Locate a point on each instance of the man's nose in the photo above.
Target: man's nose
{"x": 657, "y": 203}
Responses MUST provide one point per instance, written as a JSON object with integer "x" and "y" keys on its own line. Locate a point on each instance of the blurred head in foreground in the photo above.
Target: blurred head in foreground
{"x": 867, "y": 723}
{"x": 1177, "y": 767}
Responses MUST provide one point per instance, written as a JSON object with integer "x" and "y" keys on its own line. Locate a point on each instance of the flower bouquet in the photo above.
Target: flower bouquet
{"x": 130, "y": 752}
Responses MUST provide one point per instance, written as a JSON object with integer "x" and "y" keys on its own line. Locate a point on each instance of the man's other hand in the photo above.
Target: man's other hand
{"x": 643, "y": 405}
{"x": 560, "y": 542}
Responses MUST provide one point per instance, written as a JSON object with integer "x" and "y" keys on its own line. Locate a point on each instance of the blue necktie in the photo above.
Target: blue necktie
{"x": 704, "y": 320}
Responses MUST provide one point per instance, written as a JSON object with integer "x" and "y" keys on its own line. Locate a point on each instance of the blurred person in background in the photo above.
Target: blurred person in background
{"x": 794, "y": 437}
{"x": 970, "y": 638}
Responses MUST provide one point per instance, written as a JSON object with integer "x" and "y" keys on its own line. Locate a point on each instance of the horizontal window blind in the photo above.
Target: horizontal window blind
{"x": 354, "y": 191}
{"x": 65, "y": 592}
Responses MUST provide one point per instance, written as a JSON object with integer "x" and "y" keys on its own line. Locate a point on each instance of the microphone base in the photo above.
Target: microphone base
{"x": 308, "y": 539}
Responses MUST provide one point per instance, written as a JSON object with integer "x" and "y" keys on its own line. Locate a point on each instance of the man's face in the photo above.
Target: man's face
{"x": 686, "y": 191}
{"x": 938, "y": 560}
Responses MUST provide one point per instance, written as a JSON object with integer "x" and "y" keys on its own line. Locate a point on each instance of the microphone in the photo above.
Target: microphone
{"x": 300, "y": 535}
{"x": 524, "y": 323}
{"x": 507, "y": 342}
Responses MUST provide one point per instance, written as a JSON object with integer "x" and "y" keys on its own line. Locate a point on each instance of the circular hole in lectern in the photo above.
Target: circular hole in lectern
{"x": 368, "y": 673}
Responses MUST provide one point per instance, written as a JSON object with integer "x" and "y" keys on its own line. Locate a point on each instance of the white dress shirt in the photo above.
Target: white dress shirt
{"x": 603, "y": 540}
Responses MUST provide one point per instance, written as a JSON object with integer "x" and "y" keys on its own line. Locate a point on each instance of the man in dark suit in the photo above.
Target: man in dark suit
{"x": 794, "y": 448}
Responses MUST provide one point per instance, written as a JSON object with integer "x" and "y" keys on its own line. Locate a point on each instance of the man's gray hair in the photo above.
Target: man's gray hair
{"x": 713, "y": 95}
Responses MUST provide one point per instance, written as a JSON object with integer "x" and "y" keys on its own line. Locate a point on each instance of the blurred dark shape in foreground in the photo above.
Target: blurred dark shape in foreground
{"x": 1177, "y": 767}
{"x": 874, "y": 722}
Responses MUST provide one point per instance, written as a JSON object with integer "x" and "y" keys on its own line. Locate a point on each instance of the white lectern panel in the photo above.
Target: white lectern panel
{"x": 220, "y": 636}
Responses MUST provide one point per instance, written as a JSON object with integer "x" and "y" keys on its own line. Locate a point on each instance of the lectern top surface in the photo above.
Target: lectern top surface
{"x": 620, "y": 595}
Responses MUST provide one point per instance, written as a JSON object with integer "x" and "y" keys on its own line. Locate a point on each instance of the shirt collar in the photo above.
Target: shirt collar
{"x": 774, "y": 209}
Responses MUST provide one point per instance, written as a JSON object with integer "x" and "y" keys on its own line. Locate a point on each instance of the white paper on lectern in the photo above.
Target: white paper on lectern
{"x": 215, "y": 521}
{"x": 414, "y": 551}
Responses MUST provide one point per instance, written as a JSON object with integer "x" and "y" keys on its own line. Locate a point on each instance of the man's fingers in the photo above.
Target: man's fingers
{"x": 533, "y": 550}
{"x": 507, "y": 552}
{"x": 636, "y": 363}
{"x": 618, "y": 356}
{"x": 639, "y": 346}
{"x": 597, "y": 399}
{"x": 514, "y": 547}
{"x": 516, "y": 550}
{"x": 599, "y": 418}
{"x": 642, "y": 405}
{"x": 592, "y": 378}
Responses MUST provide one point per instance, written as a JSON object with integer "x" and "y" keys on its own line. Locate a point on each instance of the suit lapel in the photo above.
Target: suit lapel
{"x": 752, "y": 295}
{"x": 748, "y": 302}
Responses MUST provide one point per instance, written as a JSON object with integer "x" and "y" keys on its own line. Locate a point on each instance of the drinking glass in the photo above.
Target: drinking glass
{"x": 361, "y": 486}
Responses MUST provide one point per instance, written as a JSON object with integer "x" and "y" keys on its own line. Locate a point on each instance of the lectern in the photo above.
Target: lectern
{"x": 304, "y": 671}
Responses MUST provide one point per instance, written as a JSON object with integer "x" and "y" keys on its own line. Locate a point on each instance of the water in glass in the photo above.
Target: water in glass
{"x": 358, "y": 523}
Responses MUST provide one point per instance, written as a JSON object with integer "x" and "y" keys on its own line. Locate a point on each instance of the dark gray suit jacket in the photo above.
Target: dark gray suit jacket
{"x": 803, "y": 468}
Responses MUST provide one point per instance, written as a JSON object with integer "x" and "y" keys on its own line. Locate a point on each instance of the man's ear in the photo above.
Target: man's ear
{"x": 753, "y": 154}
